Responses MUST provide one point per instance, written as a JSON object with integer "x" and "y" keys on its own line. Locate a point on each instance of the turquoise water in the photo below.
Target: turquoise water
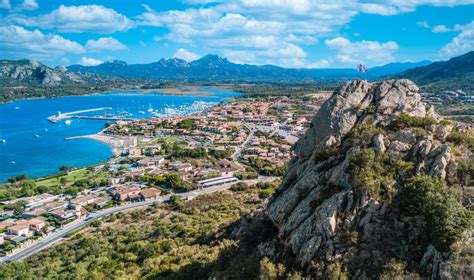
{"x": 36, "y": 147}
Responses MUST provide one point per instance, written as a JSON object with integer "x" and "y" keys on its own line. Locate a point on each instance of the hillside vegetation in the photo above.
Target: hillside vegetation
{"x": 456, "y": 73}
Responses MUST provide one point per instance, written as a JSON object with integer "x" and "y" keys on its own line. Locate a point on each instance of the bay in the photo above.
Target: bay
{"x": 30, "y": 144}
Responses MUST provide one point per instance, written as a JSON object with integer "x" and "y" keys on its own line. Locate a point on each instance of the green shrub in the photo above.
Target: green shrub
{"x": 405, "y": 121}
{"x": 176, "y": 202}
{"x": 266, "y": 193}
{"x": 445, "y": 122}
{"x": 369, "y": 174}
{"x": 363, "y": 134}
{"x": 267, "y": 167}
{"x": 270, "y": 271}
{"x": 446, "y": 219}
{"x": 393, "y": 269}
{"x": 336, "y": 271}
{"x": 241, "y": 186}
{"x": 249, "y": 173}
{"x": 459, "y": 138}
{"x": 466, "y": 166}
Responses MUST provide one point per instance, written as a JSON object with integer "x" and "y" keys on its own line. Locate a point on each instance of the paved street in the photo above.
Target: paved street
{"x": 235, "y": 156}
{"x": 76, "y": 225}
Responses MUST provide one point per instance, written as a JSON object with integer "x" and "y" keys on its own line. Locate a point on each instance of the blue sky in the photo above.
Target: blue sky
{"x": 288, "y": 33}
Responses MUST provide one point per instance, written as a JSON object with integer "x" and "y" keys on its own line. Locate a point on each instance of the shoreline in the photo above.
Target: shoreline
{"x": 175, "y": 91}
{"x": 116, "y": 145}
{"x": 113, "y": 142}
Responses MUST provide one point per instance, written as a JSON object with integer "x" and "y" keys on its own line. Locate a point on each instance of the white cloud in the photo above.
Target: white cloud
{"x": 304, "y": 39}
{"x": 29, "y": 5}
{"x": 89, "y": 61}
{"x": 231, "y": 34}
{"x": 423, "y": 24}
{"x": 200, "y": 2}
{"x": 274, "y": 31}
{"x": 105, "y": 43}
{"x": 462, "y": 43}
{"x": 17, "y": 42}
{"x": 76, "y": 19}
{"x": 441, "y": 29}
{"x": 373, "y": 53}
{"x": 379, "y": 9}
{"x": 5, "y": 4}
{"x": 186, "y": 55}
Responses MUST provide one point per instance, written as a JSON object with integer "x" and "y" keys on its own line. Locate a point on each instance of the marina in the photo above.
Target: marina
{"x": 32, "y": 136}
{"x": 61, "y": 116}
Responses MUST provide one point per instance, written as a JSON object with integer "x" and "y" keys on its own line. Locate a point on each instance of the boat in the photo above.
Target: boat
{"x": 13, "y": 162}
{"x": 17, "y": 108}
{"x": 37, "y": 136}
{"x": 46, "y": 129}
{"x": 67, "y": 122}
{"x": 3, "y": 141}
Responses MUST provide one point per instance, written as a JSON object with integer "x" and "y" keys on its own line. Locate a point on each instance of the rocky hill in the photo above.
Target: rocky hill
{"x": 32, "y": 72}
{"x": 21, "y": 79}
{"x": 375, "y": 191}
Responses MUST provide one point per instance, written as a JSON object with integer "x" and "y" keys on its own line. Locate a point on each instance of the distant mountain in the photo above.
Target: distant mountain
{"x": 20, "y": 79}
{"x": 18, "y": 72}
{"x": 213, "y": 67}
{"x": 456, "y": 73}
{"x": 396, "y": 67}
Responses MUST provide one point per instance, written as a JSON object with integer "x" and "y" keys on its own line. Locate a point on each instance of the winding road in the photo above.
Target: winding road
{"x": 49, "y": 240}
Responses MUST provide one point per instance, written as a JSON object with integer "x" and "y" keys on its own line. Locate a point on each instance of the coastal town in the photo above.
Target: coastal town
{"x": 238, "y": 142}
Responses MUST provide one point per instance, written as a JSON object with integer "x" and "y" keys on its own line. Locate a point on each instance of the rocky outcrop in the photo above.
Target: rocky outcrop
{"x": 320, "y": 215}
{"x": 31, "y": 71}
{"x": 351, "y": 105}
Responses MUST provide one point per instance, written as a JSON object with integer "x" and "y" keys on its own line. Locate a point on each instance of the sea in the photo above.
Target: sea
{"x": 32, "y": 145}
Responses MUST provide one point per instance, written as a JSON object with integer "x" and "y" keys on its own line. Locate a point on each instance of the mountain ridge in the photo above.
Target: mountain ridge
{"x": 215, "y": 67}
{"x": 455, "y": 73}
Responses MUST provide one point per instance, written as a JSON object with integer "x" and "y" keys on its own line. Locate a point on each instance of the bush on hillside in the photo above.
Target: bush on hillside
{"x": 405, "y": 121}
{"x": 446, "y": 219}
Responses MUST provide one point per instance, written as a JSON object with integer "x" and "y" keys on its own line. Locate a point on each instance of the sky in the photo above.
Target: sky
{"x": 287, "y": 33}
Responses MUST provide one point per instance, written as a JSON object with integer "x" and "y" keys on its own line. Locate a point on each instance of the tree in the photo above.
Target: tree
{"x": 18, "y": 206}
{"x": 173, "y": 180}
{"x": 65, "y": 168}
{"x": 63, "y": 181}
{"x": 18, "y": 178}
{"x": 185, "y": 124}
{"x": 176, "y": 201}
{"x": 446, "y": 219}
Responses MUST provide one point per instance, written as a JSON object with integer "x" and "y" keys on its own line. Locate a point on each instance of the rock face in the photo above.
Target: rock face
{"x": 30, "y": 71}
{"x": 319, "y": 216}
{"x": 349, "y": 106}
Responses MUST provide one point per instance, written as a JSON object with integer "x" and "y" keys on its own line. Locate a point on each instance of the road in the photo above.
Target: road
{"x": 78, "y": 224}
{"x": 235, "y": 156}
